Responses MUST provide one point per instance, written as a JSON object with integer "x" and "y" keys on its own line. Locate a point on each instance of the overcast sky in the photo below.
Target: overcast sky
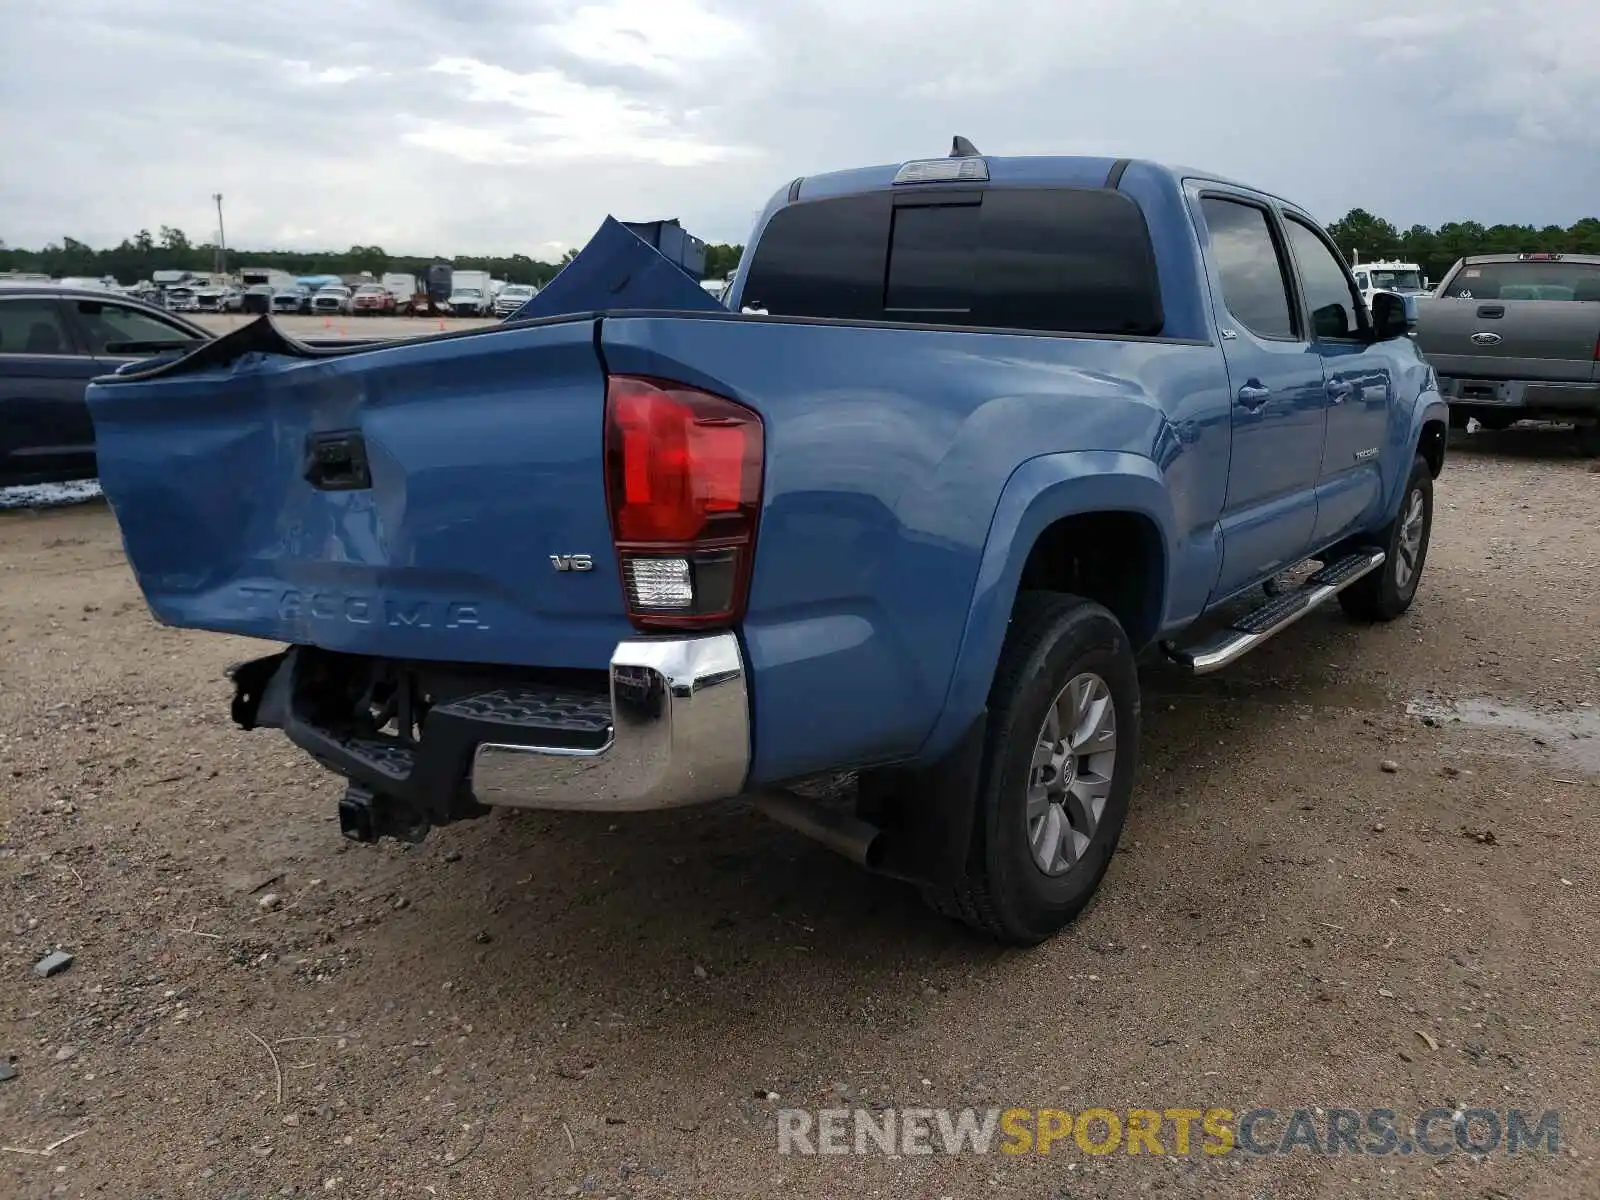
{"x": 462, "y": 126}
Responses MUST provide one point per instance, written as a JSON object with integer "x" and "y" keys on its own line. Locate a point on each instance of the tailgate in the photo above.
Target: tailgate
{"x": 1545, "y": 340}
{"x": 404, "y": 501}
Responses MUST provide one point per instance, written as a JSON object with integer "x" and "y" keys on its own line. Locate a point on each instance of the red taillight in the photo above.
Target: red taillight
{"x": 683, "y": 480}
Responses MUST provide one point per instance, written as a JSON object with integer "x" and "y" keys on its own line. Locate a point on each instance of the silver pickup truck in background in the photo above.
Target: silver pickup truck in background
{"x": 1516, "y": 337}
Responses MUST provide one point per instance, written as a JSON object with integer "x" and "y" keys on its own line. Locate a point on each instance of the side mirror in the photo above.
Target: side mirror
{"x": 1392, "y": 317}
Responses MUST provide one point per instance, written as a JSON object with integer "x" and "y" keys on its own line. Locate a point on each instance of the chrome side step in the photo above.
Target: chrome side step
{"x": 1273, "y": 617}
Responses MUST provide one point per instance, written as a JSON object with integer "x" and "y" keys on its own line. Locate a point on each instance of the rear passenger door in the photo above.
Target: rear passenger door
{"x": 1275, "y": 373}
{"x": 1360, "y": 382}
{"x": 45, "y": 432}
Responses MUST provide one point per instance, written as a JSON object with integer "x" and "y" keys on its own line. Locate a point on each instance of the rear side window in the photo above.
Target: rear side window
{"x": 1527, "y": 281}
{"x": 1058, "y": 260}
{"x": 29, "y": 325}
{"x": 1249, "y": 268}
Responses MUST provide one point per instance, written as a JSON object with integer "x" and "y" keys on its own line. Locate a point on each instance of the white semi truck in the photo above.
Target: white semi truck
{"x": 1389, "y": 275}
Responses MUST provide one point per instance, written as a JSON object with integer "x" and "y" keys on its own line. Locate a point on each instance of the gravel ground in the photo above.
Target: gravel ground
{"x": 1361, "y": 871}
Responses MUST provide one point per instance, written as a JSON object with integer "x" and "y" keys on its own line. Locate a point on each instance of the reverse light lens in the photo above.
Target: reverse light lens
{"x": 684, "y": 474}
{"x": 659, "y": 584}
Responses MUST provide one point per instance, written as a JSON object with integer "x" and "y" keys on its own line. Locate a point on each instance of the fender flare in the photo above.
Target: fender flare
{"x": 1040, "y": 491}
{"x": 1429, "y": 407}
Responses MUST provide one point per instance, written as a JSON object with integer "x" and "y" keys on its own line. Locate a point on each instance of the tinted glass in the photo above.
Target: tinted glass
{"x": 1068, "y": 260}
{"x": 932, "y": 250}
{"x": 823, "y": 258}
{"x": 1335, "y": 312}
{"x": 1527, "y": 281}
{"x": 30, "y": 325}
{"x": 106, "y": 324}
{"x": 1248, "y": 268}
{"x": 1050, "y": 259}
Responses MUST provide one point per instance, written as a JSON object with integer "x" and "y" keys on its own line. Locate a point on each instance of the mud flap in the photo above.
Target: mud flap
{"x": 927, "y": 814}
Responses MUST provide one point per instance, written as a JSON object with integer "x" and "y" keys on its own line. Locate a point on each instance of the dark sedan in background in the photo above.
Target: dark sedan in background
{"x": 53, "y": 340}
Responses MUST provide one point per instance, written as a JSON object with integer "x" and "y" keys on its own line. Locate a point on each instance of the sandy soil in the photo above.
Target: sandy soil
{"x": 538, "y": 1005}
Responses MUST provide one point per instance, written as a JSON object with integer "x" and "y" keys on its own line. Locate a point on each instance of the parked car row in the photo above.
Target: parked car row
{"x": 204, "y": 298}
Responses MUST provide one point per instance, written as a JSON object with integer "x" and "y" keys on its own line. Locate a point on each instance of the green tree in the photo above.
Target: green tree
{"x": 722, "y": 260}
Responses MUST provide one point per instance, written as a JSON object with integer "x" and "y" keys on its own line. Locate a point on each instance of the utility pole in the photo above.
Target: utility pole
{"x": 222, "y": 237}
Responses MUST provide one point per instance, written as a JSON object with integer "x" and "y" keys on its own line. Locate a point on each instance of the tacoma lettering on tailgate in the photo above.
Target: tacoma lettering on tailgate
{"x": 293, "y": 604}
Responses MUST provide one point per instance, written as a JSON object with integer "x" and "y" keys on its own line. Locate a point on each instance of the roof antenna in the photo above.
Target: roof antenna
{"x": 961, "y": 148}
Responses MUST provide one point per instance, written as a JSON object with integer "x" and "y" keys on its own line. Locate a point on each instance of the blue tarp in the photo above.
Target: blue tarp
{"x": 617, "y": 269}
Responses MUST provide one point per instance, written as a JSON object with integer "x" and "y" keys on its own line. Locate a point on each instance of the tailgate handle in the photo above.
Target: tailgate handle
{"x": 1490, "y": 311}
{"x": 337, "y": 462}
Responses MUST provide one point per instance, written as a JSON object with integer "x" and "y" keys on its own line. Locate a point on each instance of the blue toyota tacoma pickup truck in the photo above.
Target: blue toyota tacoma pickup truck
{"x": 971, "y": 434}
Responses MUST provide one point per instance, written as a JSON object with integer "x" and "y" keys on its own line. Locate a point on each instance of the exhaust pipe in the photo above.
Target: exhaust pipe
{"x": 843, "y": 833}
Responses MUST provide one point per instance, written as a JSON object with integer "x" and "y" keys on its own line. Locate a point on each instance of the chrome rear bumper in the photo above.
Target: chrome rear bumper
{"x": 680, "y": 735}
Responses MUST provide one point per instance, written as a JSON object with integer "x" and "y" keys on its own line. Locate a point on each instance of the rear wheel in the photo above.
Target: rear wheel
{"x": 1387, "y": 592}
{"x": 1061, "y": 753}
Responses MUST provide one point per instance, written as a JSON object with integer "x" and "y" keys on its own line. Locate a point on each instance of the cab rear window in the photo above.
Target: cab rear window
{"x": 1056, "y": 260}
{"x": 1527, "y": 281}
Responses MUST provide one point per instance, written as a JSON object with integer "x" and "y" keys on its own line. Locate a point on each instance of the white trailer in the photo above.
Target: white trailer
{"x": 403, "y": 288}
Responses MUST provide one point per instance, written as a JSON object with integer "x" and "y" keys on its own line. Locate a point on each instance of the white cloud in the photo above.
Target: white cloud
{"x": 303, "y": 72}
{"x": 559, "y": 118}
{"x": 665, "y": 37}
{"x": 431, "y": 126}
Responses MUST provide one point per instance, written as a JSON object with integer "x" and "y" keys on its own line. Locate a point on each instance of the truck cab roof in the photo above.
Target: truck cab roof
{"x": 1026, "y": 170}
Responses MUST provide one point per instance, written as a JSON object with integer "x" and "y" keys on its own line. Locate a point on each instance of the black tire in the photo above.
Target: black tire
{"x": 1381, "y": 596}
{"x": 1588, "y": 441}
{"x": 1053, "y": 639}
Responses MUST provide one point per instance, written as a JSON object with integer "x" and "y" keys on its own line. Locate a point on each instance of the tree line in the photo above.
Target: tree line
{"x": 169, "y": 249}
{"x": 1360, "y": 235}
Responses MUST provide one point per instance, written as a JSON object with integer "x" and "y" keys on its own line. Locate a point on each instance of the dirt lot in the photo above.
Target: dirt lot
{"x": 1361, "y": 871}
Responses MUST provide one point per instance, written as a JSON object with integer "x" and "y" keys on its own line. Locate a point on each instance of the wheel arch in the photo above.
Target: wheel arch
{"x": 1428, "y": 435}
{"x": 1052, "y": 508}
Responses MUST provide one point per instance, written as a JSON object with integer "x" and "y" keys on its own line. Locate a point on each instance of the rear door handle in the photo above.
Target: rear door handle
{"x": 1491, "y": 312}
{"x": 1253, "y": 395}
{"x": 1339, "y": 391}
